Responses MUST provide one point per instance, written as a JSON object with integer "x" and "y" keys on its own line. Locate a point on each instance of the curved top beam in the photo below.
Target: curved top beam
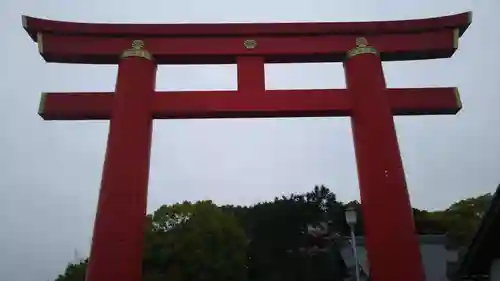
{"x": 35, "y": 25}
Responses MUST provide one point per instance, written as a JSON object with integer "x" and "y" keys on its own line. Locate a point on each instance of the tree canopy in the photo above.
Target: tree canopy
{"x": 267, "y": 241}
{"x": 194, "y": 242}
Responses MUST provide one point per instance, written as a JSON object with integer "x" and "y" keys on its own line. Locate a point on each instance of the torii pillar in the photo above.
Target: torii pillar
{"x": 380, "y": 171}
{"x": 116, "y": 254}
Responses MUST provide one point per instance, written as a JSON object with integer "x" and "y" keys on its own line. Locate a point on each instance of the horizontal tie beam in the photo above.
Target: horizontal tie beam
{"x": 232, "y": 104}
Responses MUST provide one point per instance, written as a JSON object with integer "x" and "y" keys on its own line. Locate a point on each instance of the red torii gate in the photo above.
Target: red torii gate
{"x": 116, "y": 251}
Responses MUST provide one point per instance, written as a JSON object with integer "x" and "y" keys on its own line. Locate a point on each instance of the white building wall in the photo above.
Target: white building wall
{"x": 435, "y": 258}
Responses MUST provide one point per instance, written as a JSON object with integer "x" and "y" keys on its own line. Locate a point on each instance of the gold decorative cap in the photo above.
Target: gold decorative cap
{"x": 41, "y": 106}
{"x": 361, "y": 48}
{"x": 458, "y": 99}
{"x": 137, "y": 50}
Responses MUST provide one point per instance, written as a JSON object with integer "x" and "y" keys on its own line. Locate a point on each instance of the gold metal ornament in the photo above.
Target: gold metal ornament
{"x": 138, "y": 44}
{"x": 250, "y": 44}
{"x": 361, "y": 42}
{"x": 39, "y": 41}
{"x": 41, "y": 106}
{"x": 458, "y": 99}
{"x": 137, "y": 50}
{"x": 456, "y": 37}
{"x": 361, "y": 48}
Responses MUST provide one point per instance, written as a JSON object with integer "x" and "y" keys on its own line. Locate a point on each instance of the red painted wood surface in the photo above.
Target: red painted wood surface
{"x": 220, "y": 50}
{"x": 117, "y": 243}
{"x": 251, "y": 75}
{"x": 232, "y": 104}
{"x": 387, "y": 214}
{"x": 35, "y": 25}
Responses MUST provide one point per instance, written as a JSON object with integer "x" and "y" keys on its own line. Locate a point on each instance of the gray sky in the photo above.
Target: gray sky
{"x": 50, "y": 171}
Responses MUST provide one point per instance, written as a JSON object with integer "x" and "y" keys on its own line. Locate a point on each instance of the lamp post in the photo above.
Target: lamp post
{"x": 351, "y": 219}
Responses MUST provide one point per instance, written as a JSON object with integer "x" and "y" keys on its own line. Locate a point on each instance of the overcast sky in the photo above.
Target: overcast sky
{"x": 50, "y": 171}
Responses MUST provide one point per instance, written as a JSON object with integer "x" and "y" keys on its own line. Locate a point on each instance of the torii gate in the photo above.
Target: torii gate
{"x": 116, "y": 251}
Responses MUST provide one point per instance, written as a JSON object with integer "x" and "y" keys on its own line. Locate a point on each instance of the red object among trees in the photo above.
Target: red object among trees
{"x": 118, "y": 233}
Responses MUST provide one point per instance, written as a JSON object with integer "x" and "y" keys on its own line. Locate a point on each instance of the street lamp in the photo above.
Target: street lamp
{"x": 351, "y": 219}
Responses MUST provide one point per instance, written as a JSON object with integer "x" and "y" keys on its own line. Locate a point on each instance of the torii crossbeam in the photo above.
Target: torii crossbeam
{"x": 116, "y": 252}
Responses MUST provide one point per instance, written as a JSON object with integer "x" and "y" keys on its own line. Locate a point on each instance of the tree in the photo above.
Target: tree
{"x": 194, "y": 242}
{"x": 277, "y": 234}
{"x": 268, "y": 241}
{"x": 460, "y": 221}
{"x": 74, "y": 272}
{"x": 474, "y": 207}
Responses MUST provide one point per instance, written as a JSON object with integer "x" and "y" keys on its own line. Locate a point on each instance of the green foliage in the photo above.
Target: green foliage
{"x": 279, "y": 236}
{"x": 194, "y": 242}
{"x": 74, "y": 272}
{"x": 264, "y": 242}
{"x": 463, "y": 218}
{"x": 276, "y": 231}
{"x": 460, "y": 221}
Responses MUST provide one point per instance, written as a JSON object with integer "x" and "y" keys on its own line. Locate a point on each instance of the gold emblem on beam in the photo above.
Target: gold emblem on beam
{"x": 250, "y": 44}
{"x": 137, "y": 50}
{"x": 361, "y": 48}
